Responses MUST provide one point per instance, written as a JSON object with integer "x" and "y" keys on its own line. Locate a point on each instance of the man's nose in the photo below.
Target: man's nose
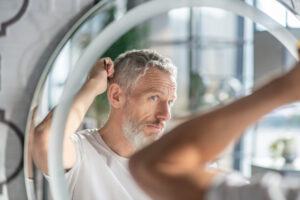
{"x": 163, "y": 112}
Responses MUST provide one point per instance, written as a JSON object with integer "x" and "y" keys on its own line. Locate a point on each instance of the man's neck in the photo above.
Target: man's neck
{"x": 113, "y": 136}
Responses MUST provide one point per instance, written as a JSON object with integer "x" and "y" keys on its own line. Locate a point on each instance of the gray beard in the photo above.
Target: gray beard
{"x": 135, "y": 135}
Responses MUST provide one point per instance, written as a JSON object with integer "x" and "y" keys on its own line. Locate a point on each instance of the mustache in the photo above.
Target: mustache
{"x": 156, "y": 123}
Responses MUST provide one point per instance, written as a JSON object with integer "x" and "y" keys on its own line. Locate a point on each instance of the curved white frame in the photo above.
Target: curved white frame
{"x": 110, "y": 34}
{"x": 101, "y": 6}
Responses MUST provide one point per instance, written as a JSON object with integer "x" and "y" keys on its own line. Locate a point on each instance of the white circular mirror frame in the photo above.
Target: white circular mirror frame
{"x": 110, "y": 34}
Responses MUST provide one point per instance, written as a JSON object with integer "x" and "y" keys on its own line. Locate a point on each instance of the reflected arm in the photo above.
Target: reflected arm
{"x": 174, "y": 166}
{"x": 95, "y": 85}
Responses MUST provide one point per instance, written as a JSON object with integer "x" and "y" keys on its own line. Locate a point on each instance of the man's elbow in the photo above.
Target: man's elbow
{"x": 141, "y": 170}
{"x": 135, "y": 166}
{"x": 145, "y": 175}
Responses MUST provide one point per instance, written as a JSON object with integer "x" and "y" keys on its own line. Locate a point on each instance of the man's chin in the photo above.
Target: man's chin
{"x": 152, "y": 136}
{"x": 146, "y": 139}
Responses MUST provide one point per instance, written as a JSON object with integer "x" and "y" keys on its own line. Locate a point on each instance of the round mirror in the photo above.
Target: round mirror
{"x": 198, "y": 41}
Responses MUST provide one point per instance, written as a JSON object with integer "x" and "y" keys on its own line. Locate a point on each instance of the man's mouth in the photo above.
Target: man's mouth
{"x": 155, "y": 128}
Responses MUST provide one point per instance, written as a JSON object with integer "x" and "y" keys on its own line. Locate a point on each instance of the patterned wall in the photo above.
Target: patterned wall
{"x": 30, "y": 30}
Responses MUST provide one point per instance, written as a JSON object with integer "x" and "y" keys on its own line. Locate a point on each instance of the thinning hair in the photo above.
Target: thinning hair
{"x": 132, "y": 65}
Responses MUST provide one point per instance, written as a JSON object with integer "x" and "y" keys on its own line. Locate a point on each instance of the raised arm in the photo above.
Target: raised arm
{"x": 95, "y": 85}
{"x": 174, "y": 166}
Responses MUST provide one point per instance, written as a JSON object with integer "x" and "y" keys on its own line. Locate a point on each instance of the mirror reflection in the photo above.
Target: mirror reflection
{"x": 131, "y": 97}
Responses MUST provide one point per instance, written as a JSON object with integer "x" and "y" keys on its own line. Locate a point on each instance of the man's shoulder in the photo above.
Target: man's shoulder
{"x": 90, "y": 144}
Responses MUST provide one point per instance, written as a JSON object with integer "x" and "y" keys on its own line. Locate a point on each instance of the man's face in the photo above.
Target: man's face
{"x": 148, "y": 107}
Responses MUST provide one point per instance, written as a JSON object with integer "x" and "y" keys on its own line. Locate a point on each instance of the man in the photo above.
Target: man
{"x": 174, "y": 167}
{"x": 141, "y": 91}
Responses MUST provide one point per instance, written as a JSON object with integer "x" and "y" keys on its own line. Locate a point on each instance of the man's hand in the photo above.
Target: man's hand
{"x": 99, "y": 74}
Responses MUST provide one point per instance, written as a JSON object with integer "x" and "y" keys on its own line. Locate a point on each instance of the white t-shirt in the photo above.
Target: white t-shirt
{"x": 99, "y": 173}
{"x": 270, "y": 186}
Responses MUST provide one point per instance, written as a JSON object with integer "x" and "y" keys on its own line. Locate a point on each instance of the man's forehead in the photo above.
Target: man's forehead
{"x": 154, "y": 75}
{"x": 157, "y": 80}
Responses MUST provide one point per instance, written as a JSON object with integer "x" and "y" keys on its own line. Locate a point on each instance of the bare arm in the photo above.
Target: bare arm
{"x": 95, "y": 85}
{"x": 174, "y": 166}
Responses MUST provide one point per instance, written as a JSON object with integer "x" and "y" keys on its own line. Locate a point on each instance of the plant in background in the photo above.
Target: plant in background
{"x": 285, "y": 148}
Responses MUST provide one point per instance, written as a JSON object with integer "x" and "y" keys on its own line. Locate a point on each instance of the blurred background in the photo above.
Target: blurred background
{"x": 220, "y": 57}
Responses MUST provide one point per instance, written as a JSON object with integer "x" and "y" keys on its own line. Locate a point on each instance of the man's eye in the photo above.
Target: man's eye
{"x": 170, "y": 103}
{"x": 154, "y": 98}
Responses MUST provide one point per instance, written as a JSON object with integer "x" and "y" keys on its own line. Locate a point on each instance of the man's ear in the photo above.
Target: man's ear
{"x": 116, "y": 95}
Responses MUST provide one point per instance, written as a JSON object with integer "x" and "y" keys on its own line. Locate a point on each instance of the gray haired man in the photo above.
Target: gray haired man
{"x": 142, "y": 88}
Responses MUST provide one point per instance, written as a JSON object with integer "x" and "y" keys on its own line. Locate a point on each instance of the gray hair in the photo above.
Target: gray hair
{"x": 132, "y": 65}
